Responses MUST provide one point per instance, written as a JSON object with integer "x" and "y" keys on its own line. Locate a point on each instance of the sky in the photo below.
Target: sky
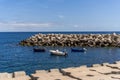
{"x": 59, "y": 15}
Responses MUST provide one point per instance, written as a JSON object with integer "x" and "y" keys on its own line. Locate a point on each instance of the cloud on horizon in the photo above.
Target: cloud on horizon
{"x": 51, "y": 26}
{"x": 23, "y": 24}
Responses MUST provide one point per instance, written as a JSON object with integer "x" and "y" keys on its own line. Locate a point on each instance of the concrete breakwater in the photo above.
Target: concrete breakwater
{"x": 104, "y": 71}
{"x": 90, "y": 40}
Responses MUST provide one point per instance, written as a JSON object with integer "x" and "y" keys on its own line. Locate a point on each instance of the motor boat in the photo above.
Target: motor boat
{"x": 78, "y": 50}
{"x": 58, "y": 53}
{"x": 39, "y": 49}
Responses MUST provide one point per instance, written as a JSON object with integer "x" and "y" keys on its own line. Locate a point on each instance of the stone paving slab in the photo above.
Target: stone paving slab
{"x": 96, "y": 72}
{"x": 22, "y": 78}
{"x": 115, "y": 66}
{"x": 19, "y": 75}
{"x": 54, "y": 74}
{"x": 103, "y": 69}
{"x": 97, "y": 78}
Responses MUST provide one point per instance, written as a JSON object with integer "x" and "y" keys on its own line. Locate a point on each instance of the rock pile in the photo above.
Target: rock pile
{"x": 91, "y": 40}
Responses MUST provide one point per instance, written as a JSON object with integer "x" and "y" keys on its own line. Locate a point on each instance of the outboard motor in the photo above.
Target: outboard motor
{"x": 66, "y": 54}
{"x": 84, "y": 49}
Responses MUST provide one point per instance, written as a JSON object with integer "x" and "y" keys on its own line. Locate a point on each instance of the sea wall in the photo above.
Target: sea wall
{"x": 104, "y": 71}
{"x": 91, "y": 40}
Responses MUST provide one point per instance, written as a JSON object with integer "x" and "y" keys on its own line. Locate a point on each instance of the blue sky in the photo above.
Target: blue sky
{"x": 59, "y": 15}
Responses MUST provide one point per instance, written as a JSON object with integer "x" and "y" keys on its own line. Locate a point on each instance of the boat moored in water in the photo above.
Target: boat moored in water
{"x": 78, "y": 50}
{"x": 39, "y": 49}
{"x": 58, "y": 53}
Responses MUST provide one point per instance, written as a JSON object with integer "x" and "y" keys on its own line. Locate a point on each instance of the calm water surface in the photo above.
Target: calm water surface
{"x": 17, "y": 58}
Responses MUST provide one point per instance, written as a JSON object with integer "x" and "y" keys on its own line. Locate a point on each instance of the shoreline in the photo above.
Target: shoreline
{"x": 82, "y": 40}
{"x": 104, "y": 71}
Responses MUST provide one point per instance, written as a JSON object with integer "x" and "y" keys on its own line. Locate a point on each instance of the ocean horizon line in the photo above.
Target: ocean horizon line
{"x": 54, "y": 31}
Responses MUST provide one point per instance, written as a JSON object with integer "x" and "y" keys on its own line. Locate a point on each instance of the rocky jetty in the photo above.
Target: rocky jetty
{"x": 91, "y": 40}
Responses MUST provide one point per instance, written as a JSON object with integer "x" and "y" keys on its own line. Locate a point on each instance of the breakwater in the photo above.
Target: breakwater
{"x": 90, "y": 40}
{"x": 104, "y": 71}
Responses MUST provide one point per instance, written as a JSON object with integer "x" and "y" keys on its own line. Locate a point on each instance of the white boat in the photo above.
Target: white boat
{"x": 58, "y": 53}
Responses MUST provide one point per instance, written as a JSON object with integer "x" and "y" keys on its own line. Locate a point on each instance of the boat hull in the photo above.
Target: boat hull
{"x": 38, "y": 50}
{"x": 78, "y": 50}
{"x": 58, "y": 53}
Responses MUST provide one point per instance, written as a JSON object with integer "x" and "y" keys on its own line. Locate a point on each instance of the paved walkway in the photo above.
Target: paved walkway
{"x": 103, "y": 71}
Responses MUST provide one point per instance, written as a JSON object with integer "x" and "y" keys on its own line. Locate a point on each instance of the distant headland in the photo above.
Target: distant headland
{"x": 83, "y": 40}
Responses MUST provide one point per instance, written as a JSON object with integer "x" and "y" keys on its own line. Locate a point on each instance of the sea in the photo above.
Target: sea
{"x": 14, "y": 57}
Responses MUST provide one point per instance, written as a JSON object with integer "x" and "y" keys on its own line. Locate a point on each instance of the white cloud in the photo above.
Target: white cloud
{"x": 20, "y": 24}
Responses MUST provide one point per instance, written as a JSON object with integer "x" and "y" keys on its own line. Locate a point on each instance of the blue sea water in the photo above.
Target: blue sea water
{"x": 14, "y": 57}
